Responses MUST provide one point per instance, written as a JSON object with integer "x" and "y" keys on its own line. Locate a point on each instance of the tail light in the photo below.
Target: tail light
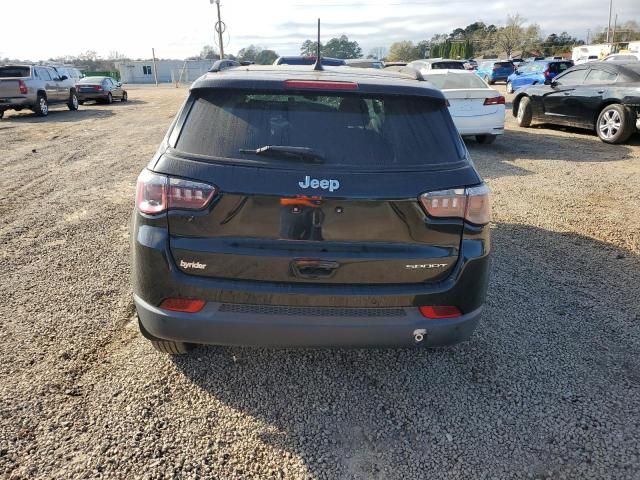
{"x": 444, "y": 311}
{"x": 97, "y": 88}
{"x": 158, "y": 193}
{"x": 188, "y": 305}
{"x": 23, "y": 87}
{"x": 471, "y": 204}
{"x": 494, "y": 100}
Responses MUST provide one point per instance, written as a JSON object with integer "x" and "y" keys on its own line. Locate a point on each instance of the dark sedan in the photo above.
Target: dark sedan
{"x": 600, "y": 96}
{"x": 100, "y": 89}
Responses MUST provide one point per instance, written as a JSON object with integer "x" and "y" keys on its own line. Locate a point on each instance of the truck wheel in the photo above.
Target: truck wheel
{"x": 172, "y": 348}
{"x": 73, "y": 101}
{"x": 614, "y": 124}
{"x": 485, "y": 139}
{"x": 524, "y": 114}
{"x": 41, "y": 107}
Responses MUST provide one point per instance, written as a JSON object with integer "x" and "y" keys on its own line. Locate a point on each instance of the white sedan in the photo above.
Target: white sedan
{"x": 476, "y": 108}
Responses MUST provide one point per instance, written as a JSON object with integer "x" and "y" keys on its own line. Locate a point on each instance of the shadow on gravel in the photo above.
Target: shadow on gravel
{"x": 58, "y": 116}
{"x": 495, "y": 160}
{"x": 551, "y": 373}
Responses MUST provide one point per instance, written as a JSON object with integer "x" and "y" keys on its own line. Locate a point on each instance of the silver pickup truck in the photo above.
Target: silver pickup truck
{"x": 35, "y": 87}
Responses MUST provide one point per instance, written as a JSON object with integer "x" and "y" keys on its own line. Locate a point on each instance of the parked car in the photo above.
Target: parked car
{"x": 477, "y": 109}
{"x": 300, "y": 60}
{"x": 395, "y": 64}
{"x": 365, "y": 63}
{"x": 310, "y": 208}
{"x": 35, "y": 87}
{"x": 535, "y": 73}
{"x": 101, "y": 89}
{"x": 586, "y": 59}
{"x": 622, "y": 57}
{"x": 427, "y": 64}
{"x": 604, "y": 96}
{"x": 493, "y": 71}
{"x": 470, "y": 64}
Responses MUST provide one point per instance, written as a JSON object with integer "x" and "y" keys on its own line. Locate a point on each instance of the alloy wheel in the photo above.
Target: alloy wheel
{"x": 610, "y": 123}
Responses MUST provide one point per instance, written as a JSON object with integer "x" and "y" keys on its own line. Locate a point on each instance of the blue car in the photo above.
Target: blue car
{"x": 534, "y": 73}
{"x": 493, "y": 71}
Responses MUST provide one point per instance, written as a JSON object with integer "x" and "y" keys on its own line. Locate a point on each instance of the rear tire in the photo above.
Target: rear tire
{"x": 525, "y": 114}
{"x": 73, "y": 102}
{"x": 509, "y": 87}
{"x": 486, "y": 139}
{"x": 109, "y": 98}
{"x": 488, "y": 80}
{"x": 614, "y": 124}
{"x": 169, "y": 347}
{"x": 1, "y": 113}
{"x": 125, "y": 97}
{"x": 41, "y": 108}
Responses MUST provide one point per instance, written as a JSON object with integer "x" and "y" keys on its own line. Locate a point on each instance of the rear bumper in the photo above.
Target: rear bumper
{"x": 492, "y": 124}
{"x": 91, "y": 96}
{"x": 222, "y": 324}
{"x": 15, "y": 102}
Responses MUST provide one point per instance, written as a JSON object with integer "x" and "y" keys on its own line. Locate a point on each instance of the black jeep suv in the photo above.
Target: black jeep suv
{"x": 294, "y": 207}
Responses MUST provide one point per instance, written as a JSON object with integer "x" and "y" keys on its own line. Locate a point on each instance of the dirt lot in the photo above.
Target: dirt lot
{"x": 549, "y": 387}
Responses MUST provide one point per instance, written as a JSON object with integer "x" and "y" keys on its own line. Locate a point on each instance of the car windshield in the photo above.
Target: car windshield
{"x": 455, "y": 80}
{"x": 12, "y": 72}
{"x": 347, "y": 130}
{"x": 91, "y": 80}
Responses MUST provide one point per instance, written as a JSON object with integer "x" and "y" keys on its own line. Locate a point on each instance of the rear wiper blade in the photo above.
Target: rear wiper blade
{"x": 295, "y": 153}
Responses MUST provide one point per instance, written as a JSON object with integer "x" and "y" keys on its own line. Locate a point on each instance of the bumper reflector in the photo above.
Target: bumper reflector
{"x": 440, "y": 312}
{"x": 188, "y": 305}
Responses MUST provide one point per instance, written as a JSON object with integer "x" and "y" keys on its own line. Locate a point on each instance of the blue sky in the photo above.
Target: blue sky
{"x": 179, "y": 28}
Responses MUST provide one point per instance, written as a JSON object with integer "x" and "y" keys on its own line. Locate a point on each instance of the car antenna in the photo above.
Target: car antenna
{"x": 318, "y": 65}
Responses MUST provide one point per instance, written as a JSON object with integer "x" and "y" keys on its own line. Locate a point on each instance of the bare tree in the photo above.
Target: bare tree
{"x": 515, "y": 36}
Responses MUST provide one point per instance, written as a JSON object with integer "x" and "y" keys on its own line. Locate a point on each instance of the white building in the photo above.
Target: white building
{"x": 141, "y": 71}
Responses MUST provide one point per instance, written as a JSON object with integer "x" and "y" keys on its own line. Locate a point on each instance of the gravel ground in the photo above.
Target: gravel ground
{"x": 549, "y": 387}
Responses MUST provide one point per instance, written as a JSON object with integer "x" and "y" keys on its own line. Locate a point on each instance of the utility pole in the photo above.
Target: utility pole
{"x": 588, "y": 35}
{"x": 609, "y": 24}
{"x": 220, "y": 27}
{"x": 155, "y": 70}
{"x": 613, "y": 35}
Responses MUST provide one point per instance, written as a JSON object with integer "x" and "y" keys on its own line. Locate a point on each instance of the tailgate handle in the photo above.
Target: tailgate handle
{"x": 311, "y": 268}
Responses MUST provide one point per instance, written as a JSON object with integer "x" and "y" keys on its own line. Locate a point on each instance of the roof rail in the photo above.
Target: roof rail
{"x": 412, "y": 72}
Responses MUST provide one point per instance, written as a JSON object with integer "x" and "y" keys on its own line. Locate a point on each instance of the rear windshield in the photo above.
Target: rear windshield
{"x": 353, "y": 131}
{"x": 559, "y": 67}
{"x": 447, "y": 66}
{"x": 503, "y": 65}
{"x": 455, "y": 80}
{"x": 12, "y": 72}
{"x": 91, "y": 80}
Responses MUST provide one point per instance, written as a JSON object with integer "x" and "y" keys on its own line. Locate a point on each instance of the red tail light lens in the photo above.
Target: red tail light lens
{"x": 187, "y": 305}
{"x": 319, "y": 85}
{"x": 472, "y": 204}
{"x": 188, "y": 195}
{"x": 23, "y": 87}
{"x": 151, "y": 193}
{"x": 435, "y": 312}
{"x": 98, "y": 88}
{"x": 158, "y": 193}
{"x": 494, "y": 100}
